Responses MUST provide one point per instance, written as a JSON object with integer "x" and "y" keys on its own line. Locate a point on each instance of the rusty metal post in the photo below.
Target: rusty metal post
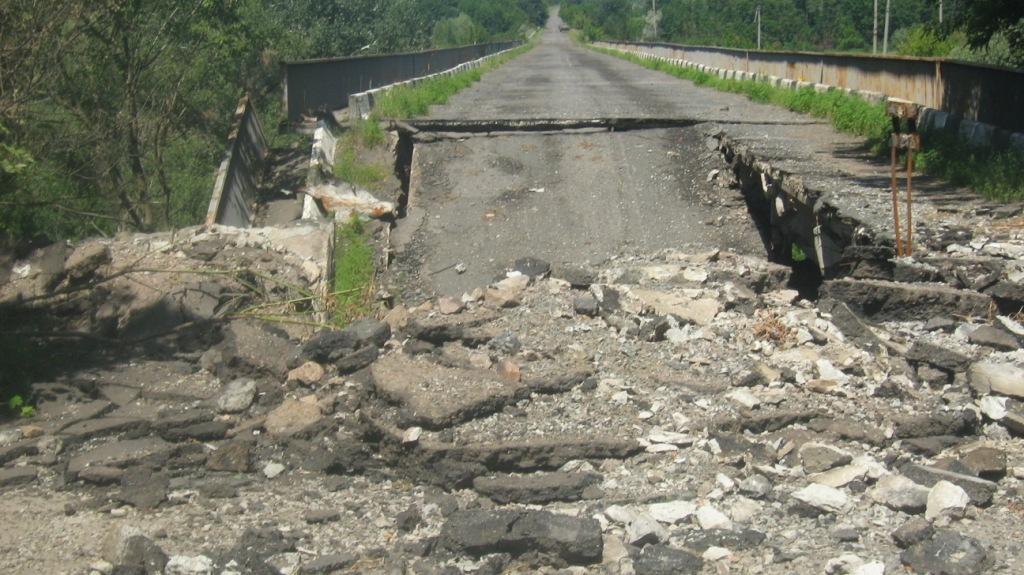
{"x": 910, "y": 194}
{"x": 900, "y": 110}
{"x": 895, "y": 198}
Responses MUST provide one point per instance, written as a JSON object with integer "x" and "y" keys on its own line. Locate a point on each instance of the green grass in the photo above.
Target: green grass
{"x": 348, "y": 167}
{"x": 994, "y": 174}
{"x": 353, "y": 272}
{"x": 409, "y": 101}
{"x": 847, "y": 113}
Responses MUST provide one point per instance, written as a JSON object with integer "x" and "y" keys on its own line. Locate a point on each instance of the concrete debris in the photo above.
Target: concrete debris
{"x": 638, "y": 414}
{"x": 822, "y": 497}
{"x": 1001, "y": 378}
{"x": 710, "y": 518}
{"x": 946, "y": 500}
{"x": 899, "y": 493}
{"x": 343, "y": 199}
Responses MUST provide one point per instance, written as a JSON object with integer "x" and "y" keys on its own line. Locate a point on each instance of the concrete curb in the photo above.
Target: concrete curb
{"x": 321, "y": 165}
{"x": 363, "y": 103}
{"x": 976, "y": 134}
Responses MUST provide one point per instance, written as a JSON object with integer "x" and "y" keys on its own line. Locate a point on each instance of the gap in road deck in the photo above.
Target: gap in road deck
{"x": 567, "y": 199}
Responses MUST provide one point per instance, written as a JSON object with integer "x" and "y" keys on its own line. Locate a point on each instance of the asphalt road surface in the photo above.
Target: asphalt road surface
{"x": 570, "y": 197}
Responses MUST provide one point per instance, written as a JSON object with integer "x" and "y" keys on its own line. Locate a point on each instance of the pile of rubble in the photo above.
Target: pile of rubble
{"x": 677, "y": 413}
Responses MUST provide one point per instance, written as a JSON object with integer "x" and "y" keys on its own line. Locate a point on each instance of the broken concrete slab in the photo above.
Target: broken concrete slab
{"x": 699, "y": 311}
{"x": 436, "y": 397}
{"x": 14, "y": 476}
{"x": 997, "y": 377}
{"x": 881, "y": 300}
{"x": 994, "y": 337}
{"x": 937, "y": 356}
{"x": 103, "y": 426}
{"x": 979, "y": 490}
{"x": 538, "y": 488}
{"x": 343, "y": 198}
{"x": 121, "y": 454}
{"x": 292, "y": 417}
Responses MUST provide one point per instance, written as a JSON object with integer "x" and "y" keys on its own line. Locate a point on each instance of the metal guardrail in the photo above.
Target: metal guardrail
{"x": 987, "y": 94}
{"x": 237, "y": 178}
{"x": 323, "y": 85}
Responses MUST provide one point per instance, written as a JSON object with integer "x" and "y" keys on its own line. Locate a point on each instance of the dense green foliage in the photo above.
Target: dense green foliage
{"x": 989, "y": 31}
{"x": 114, "y": 113}
{"x": 786, "y": 24}
{"x": 995, "y": 174}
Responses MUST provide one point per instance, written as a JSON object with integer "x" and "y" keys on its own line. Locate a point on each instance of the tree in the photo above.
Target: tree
{"x": 458, "y": 31}
{"x": 984, "y": 20}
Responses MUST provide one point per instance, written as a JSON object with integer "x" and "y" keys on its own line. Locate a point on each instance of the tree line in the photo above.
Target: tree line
{"x": 114, "y": 113}
{"x": 990, "y": 31}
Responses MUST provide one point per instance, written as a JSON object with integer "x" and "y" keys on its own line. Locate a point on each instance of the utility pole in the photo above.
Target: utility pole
{"x": 940, "y": 11}
{"x": 757, "y": 16}
{"x": 654, "y": 16}
{"x": 874, "y": 32}
{"x": 885, "y": 36}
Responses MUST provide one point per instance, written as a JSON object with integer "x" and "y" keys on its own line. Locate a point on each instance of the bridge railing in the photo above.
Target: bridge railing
{"x": 986, "y": 94}
{"x": 237, "y": 178}
{"x": 317, "y": 86}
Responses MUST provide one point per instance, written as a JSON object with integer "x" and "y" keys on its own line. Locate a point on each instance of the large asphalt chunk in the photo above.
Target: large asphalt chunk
{"x": 542, "y": 488}
{"x": 17, "y": 476}
{"x": 576, "y": 540}
{"x": 476, "y": 532}
{"x": 121, "y": 454}
{"x": 331, "y": 345}
{"x": 947, "y": 553}
{"x": 663, "y": 560}
{"x": 979, "y": 490}
{"x": 890, "y": 301}
{"x": 937, "y": 356}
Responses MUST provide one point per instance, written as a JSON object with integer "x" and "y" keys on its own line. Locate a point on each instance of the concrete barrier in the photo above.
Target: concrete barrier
{"x": 237, "y": 178}
{"x": 995, "y": 94}
{"x": 313, "y": 87}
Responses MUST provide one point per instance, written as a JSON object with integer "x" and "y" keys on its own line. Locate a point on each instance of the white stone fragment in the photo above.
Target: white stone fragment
{"x": 672, "y": 511}
{"x": 946, "y": 500}
{"x": 273, "y": 469}
{"x": 822, "y": 497}
{"x": 710, "y": 518}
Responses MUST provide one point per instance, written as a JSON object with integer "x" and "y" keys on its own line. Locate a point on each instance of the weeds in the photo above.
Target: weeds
{"x": 847, "y": 113}
{"x": 994, "y": 174}
{"x": 16, "y": 404}
{"x": 353, "y": 272}
{"x": 769, "y": 327}
{"x": 349, "y": 167}
{"x": 415, "y": 100}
